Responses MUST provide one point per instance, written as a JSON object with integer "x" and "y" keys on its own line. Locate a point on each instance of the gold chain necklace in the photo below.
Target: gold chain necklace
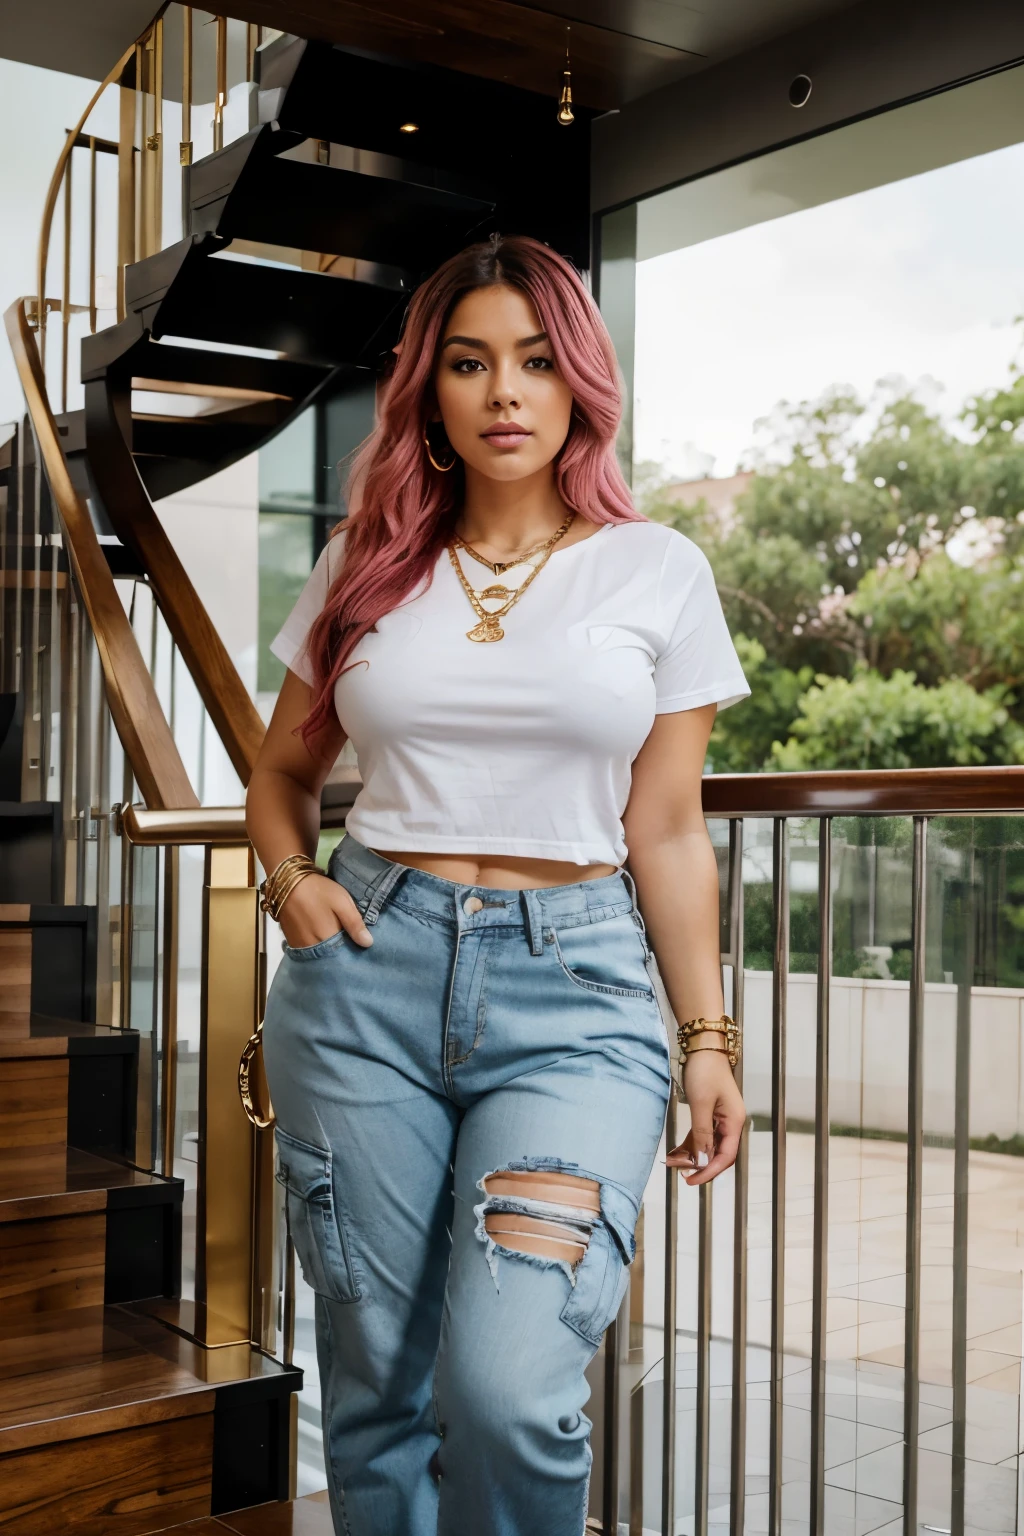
{"x": 489, "y": 628}
{"x": 499, "y": 567}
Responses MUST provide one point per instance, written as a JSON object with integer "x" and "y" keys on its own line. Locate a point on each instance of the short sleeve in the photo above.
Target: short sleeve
{"x": 698, "y": 664}
{"x": 289, "y": 644}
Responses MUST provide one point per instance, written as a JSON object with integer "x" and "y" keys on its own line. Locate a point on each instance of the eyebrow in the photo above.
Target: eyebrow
{"x": 481, "y": 346}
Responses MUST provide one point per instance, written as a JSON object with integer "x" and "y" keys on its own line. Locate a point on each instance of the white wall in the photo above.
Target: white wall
{"x": 214, "y": 526}
{"x": 869, "y": 1029}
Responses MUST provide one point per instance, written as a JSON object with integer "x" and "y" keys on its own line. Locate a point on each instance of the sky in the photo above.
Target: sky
{"x": 921, "y": 279}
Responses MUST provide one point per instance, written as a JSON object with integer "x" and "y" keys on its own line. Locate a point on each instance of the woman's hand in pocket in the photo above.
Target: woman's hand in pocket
{"x": 317, "y": 909}
{"x": 717, "y": 1117}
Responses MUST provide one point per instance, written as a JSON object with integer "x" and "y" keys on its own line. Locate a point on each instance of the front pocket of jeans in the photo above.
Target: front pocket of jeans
{"x": 606, "y": 957}
{"x": 319, "y": 950}
{"x": 306, "y": 1173}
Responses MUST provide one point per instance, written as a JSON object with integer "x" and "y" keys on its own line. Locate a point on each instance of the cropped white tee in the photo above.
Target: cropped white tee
{"x": 525, "y": 746}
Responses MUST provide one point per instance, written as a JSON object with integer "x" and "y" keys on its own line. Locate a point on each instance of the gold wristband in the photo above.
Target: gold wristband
{"x": 708, "y": 1040}
{"x": 724, "y": 1028}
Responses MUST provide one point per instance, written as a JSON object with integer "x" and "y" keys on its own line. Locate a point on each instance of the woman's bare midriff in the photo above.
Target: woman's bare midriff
{"x": 499, "y": 874}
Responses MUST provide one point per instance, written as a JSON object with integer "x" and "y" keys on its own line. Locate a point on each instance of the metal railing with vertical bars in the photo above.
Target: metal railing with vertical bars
{"x": 829, "y": 1337}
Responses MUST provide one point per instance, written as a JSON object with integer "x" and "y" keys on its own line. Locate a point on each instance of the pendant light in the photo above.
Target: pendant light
{"x": 565, "y": 112}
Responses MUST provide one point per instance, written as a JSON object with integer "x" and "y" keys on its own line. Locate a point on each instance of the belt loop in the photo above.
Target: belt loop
{"x": 533, "y": 920}
{"x": 382, "y": 892}
{"x": 637, "y": 914}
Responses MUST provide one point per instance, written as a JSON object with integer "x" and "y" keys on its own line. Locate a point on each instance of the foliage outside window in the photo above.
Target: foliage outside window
{"x": 872, "y": 572}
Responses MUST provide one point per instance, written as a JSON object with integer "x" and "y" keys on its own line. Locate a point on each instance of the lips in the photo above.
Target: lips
{"x": 506, "y": 434}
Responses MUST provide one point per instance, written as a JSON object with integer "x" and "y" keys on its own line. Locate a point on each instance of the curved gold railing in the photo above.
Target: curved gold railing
{"x": 140, "y": 175}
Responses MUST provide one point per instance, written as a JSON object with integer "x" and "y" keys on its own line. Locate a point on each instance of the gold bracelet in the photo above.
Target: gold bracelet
{"x": 280, "y": 883}
{"x": 708, "y": 1040}
{"x": 723, "y": 1026}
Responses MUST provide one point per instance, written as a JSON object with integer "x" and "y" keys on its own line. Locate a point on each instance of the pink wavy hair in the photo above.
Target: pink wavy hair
{"x": 407, "y": 509}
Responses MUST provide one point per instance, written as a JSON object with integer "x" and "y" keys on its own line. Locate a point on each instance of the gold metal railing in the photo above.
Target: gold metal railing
{"x": 141, "y": 77}
{"x": 236, "y": 1274}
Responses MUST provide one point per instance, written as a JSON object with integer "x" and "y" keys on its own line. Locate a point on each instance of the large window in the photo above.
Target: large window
{"x": 828, "y": 399}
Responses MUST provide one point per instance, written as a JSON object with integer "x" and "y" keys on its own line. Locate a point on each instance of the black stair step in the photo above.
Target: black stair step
{"x": 493, "y": 134}
{"x": 135, "y": 354}
{"x": 193, "y": 290}
{"x": 208, "y": 439}
{"x": 311, "y": 194}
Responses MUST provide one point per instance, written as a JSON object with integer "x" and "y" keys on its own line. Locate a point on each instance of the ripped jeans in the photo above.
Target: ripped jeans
{"x": 485, "y": 1033}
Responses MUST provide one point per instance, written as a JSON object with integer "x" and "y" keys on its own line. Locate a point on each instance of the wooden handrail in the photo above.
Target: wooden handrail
{"x": 866, "y": 792}
{"x": 213, "y": 825}
{"x": 134, "y": 706}
{"x": 228, "y": 703}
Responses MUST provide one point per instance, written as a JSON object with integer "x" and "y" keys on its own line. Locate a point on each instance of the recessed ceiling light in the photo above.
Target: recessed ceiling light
{"x": 409, "y": 128}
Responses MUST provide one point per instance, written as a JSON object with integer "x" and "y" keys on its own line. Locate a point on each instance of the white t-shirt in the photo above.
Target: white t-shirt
{"x": 524, "y": 746}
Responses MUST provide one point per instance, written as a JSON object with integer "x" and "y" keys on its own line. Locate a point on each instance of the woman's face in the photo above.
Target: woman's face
{"x": 505, "y": 408}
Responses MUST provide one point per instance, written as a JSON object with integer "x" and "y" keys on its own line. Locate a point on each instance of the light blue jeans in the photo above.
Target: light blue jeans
{"x": 484, "y": 1030}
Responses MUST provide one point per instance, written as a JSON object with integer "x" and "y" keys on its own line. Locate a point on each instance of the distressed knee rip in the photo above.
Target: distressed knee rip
{"x": 542, "y": 1216}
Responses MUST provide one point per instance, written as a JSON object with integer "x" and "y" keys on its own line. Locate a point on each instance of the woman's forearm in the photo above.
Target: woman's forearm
{"x": 282, "y": 816}
{"x": 677, "y": 888}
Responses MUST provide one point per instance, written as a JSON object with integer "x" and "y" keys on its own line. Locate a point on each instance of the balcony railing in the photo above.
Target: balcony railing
{"x": 829, "y": 1337}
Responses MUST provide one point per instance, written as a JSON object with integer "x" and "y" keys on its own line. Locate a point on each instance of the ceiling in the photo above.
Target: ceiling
{"x": 620, "y": 49}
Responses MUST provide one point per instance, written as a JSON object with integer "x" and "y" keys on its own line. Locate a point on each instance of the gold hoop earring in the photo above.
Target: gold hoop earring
{"x": 442, "y": 468}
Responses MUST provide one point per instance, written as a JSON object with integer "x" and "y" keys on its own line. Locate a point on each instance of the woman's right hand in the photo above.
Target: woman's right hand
{"x": 317, "y": 909}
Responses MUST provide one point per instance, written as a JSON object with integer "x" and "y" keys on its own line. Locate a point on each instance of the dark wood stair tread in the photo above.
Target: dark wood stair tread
{"x": 43, "y": 1035}
{"x": 310, "y": 1516}
{"x": 59, "y": 1181}
{"x": 64, "y": 1375}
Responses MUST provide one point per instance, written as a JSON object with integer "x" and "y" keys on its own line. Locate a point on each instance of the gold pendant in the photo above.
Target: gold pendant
{"x": 487, "y": 630}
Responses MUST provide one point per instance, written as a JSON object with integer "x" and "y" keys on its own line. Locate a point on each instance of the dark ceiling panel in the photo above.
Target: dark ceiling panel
{"x": 499, "y": 39}
{"x": 621, "y": 49}
{"x": 711, "y": 29}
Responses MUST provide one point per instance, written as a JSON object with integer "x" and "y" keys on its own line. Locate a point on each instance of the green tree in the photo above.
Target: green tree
{"x": 880, "y": 548}
{"x": 869, "y": 721}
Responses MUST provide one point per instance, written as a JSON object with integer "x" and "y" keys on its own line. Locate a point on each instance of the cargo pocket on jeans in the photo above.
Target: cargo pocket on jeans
{"x": 601, "y": 1275}
{"x": 305, "y": 1172}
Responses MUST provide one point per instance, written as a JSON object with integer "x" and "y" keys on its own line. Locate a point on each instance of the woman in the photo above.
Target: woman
{"x": 463, "y": 1043}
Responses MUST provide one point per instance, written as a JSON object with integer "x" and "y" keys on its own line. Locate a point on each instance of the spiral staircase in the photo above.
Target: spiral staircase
{"x": 123, "y": 1411}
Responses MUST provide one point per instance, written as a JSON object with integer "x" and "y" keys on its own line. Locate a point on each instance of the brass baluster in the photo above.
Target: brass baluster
{"x": 92, "y": 233}
{"x": 185, "y": 147}
{"x": 156, "y": 143}
{"x": 126, "y": 183}
{"x": 253, "y": 39}
{"x": 65, "y": 306}
{"x": 152, "y": 123}
{"x": 222, "y": 83}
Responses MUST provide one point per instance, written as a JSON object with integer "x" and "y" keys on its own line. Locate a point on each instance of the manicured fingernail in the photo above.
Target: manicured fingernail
{"x": 702, "y": 1159}
{"x": 365, "y": 937}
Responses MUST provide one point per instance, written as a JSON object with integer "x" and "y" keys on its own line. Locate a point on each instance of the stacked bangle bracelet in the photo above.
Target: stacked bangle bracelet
{"x": 722, "y": 1034}
{"x": 280, "y": 883}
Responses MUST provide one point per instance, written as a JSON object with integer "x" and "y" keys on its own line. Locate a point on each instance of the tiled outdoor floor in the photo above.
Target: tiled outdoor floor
{"x": 865, "y": 1319}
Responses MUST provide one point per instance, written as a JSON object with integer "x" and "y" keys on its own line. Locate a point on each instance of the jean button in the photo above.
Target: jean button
{"x": 472, "y": 904}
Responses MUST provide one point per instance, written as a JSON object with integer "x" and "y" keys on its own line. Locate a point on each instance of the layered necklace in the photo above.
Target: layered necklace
{"x": 492, "y": 602}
